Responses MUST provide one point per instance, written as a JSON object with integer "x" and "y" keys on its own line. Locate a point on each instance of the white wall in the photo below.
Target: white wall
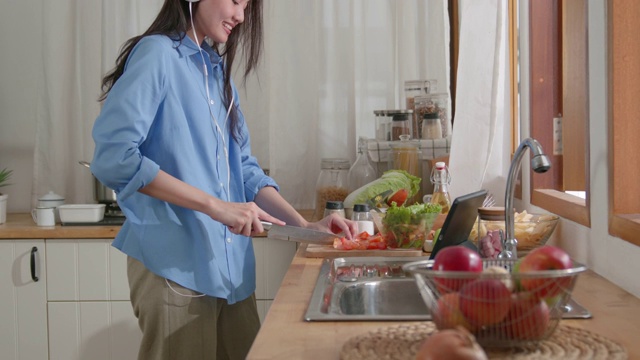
{"x": 611, "y": 257}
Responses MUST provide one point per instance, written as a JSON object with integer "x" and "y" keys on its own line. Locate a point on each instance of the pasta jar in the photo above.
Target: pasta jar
{"x": 332, "y": 183}
{"x": 406, "y": 155}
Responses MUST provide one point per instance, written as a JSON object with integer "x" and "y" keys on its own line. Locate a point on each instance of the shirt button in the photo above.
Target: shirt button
{"x": 211, "y": 102}
{"x": 221, "y": 185}
{"x": 229, "y": 240}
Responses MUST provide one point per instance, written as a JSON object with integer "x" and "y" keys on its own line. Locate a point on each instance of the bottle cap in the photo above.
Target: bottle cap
{"x": 433, "y": 115}
{"x": 334, "y": 205}
{"x": 440, "y": 165}
{"x": 360, "y": 208}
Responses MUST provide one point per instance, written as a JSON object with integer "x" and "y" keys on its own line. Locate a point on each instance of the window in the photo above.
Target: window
{"x": 624, "y": 127}
{"x": 558, "y": 90}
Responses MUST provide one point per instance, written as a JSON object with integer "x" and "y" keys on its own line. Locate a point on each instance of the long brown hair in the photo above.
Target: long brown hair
{"x": 173, "y": 21}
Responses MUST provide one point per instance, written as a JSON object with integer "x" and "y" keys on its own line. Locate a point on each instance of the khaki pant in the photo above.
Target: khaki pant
{"x": 176, "y": 327}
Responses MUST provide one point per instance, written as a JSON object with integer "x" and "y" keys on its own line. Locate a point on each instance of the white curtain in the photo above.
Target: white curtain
{"x": 480, "y": 151}
{"x": 328, "y": 65}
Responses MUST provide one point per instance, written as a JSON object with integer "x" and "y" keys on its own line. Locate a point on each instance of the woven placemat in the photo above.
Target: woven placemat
{"x": 401, "y": 342}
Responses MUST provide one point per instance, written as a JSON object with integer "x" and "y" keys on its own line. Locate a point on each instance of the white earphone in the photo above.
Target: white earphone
{"x": 206, "y": 84}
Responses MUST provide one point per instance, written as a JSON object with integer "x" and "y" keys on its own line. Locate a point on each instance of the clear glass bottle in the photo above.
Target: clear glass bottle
{"x": 440, "y": 178}
{"x": 362, "y": 172}
{"x": 363, "y": 218}
{"x": 332, "y": 183}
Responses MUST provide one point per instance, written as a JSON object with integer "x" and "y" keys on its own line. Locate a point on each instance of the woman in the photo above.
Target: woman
{"x": 173, "y": 143}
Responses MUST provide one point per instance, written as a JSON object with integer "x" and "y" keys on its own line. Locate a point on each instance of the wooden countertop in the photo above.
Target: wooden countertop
{"x": 21, "y": 226}
{"x": 285, "y": 335}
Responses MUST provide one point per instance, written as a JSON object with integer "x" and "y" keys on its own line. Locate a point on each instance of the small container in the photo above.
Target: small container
{"x": 332, "y": 183}
{"x": 51, "y": 200}
{"x": 363, "y": 218}
{"x": 441, "y": 178}
{"x": 334, "y": 207}
{"x": 401, "y": 125}
{"x": 81, "y": 213}
{"x": 431, "y": 127}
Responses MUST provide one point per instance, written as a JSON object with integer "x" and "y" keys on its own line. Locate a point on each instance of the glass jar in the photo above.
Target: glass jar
{"x": 437, "y": 103}
{"x": 332, "y": 183}
{"x": 431, "y": 128}
{"x": 405, "y": 155}
{"x": 383, "y": 124}
{"x": 491, "y": 221}
{"x": 363, "y": 218}
{"x": 401, "y": 124}
{"x": 412, "y": 89}
{"x": 334, "y": 207}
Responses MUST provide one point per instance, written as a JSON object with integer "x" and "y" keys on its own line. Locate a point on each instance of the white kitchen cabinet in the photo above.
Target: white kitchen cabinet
{"x": 89, "y": 312}
{"x": 23, "y": 300}
{"x": 273, "y": 258}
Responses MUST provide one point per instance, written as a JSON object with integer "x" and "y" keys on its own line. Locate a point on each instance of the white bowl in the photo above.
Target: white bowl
{"x": 78, "y": 213}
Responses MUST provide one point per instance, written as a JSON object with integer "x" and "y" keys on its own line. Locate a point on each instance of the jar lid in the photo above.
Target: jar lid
{"x": 335, "y": 163}
{"x": 392, "y": 112}
{"x": 360, "y": 208}
{"x": 491, "y": 213}
{"x": 400, "y": 117}
{"x": 334, "y": 205}
{"x": 433, "y": 115}
{"x": 51, "y": 196}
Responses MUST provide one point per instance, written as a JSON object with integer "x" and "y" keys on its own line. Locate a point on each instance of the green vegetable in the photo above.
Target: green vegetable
{"x": 408, "y": 226}
{"x": 390, "y": 180}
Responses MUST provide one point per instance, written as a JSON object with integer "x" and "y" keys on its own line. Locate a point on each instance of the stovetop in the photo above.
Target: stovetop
{"x": 106, "y": 221}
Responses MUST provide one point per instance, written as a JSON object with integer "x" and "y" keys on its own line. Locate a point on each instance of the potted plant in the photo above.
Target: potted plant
{"x": 5, "y": 175}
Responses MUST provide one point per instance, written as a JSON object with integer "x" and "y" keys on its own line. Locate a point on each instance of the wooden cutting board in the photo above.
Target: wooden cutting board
{"x": 327, "y": 251}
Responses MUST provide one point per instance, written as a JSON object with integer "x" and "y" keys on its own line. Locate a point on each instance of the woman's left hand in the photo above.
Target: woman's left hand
{"x": 336, "y": 224}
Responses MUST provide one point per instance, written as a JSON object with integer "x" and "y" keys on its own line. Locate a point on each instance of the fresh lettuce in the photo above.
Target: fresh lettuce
{"x": 393, "y": 180}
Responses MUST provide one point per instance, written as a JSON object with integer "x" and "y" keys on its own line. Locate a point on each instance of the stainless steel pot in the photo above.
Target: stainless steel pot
{"x": 102, "y": 194}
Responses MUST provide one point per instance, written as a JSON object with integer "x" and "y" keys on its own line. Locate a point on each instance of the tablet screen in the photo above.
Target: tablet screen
{"x": 459, "y": 222}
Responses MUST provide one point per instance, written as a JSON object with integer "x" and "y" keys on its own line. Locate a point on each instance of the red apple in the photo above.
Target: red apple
{"x": 545, "y": 258}
{"x": 528, "y": 318}
{"x": 485, "y": 301}
{"x": 447, "y": 314}
{"x": 455, "y": 258}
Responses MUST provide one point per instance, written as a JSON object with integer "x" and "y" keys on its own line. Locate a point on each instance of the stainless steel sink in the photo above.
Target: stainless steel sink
{"x": 366, "y": 288}
{"x": 376, "y": 289}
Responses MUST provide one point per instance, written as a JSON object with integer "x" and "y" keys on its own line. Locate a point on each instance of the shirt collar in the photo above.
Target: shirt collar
{"x": 188, "y": 47}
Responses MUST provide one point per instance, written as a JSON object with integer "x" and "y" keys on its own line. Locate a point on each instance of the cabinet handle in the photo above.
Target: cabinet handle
{"x": 34, "y": 258}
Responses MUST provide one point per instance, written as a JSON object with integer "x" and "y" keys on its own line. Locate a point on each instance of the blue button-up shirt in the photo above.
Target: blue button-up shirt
{"x": 155, "y": 117}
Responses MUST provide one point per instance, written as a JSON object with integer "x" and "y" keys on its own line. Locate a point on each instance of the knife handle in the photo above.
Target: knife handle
{"x": 266, "y": 225}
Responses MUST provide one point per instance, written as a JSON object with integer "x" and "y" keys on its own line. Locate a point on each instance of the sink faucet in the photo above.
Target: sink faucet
{"x": 539, "y": 163}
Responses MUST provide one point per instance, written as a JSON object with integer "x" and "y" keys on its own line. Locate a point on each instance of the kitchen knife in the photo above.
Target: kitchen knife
{"x": 298, "y": 234}
{"x": 379, "y": 199}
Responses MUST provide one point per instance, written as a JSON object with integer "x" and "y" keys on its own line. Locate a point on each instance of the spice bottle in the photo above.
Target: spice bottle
{"x": 332, "y": 183}
{"x": 362, "y": 172}
{"x": 334, "y": 207}
{"x": 401, "y": 124}
{"x": 440, "y": 178}
{"x": 363, "y": 218}
{"x": 431, "y": 128}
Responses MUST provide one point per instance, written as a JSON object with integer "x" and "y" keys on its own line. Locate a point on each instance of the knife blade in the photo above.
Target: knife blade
{"x": 298, "y": 234}
{"x": 378, "y": 200}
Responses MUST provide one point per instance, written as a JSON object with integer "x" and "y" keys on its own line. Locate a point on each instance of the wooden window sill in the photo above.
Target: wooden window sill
{"x": 564, "y": 205}
{"x": 626, "y": 227}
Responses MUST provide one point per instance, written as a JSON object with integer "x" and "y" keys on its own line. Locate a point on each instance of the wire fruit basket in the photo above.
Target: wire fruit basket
{"x": 499, "y": 306}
